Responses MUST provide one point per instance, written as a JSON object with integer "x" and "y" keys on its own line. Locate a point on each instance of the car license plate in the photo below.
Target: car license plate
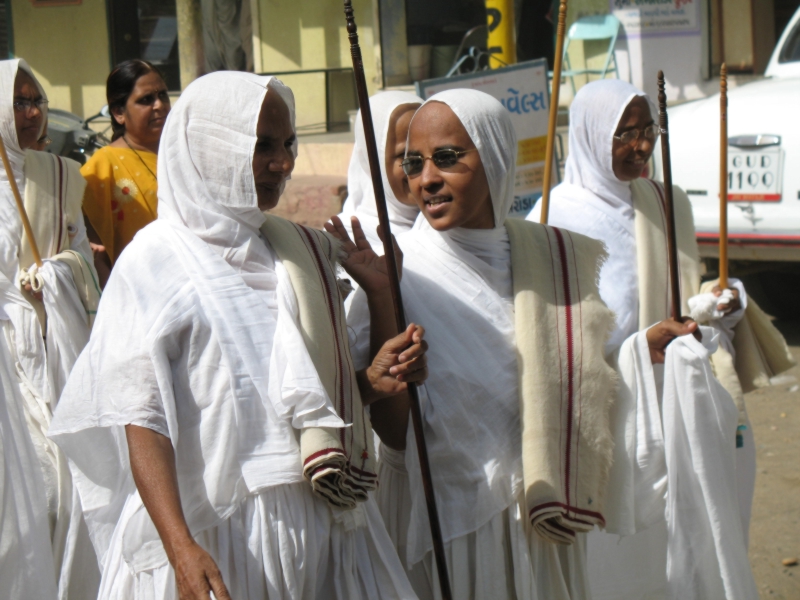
{"x": 755, "y": 175}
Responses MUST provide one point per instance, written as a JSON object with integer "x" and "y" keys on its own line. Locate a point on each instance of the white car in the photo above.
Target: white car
{"x": 763, "y": 169}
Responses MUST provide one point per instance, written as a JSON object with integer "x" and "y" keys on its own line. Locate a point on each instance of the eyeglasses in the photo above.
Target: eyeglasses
{"x": 26, "y": 104}
{"x": 443, "y": 159}
{"x": 631, "y": 136}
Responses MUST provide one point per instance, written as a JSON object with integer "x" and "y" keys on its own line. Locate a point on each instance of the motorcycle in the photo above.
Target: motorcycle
{"x": 72, "y": 137}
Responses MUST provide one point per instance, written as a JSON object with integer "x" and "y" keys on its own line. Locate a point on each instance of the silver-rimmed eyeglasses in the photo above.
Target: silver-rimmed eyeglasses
{"x": 632, "y": 136}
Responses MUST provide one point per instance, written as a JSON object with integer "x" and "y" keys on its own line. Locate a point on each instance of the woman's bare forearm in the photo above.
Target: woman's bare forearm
{"x": 390, "y": 415}
{"x": 153, "y": 465}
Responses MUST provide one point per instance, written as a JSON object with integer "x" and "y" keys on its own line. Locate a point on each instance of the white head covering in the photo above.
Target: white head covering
{"x": 593, "y": 119}
{"x": 8, "y": 128}
{"x": 10, "y": 223}
{"x": 205, "y": 165}
{"x": 360, "y": 193}
{"x": 490, "y": 129}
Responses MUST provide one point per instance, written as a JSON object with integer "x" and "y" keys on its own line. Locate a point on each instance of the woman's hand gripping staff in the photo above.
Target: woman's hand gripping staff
{"x": 398, "y": 360}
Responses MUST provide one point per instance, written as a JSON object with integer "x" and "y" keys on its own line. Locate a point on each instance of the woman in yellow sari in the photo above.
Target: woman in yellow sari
{"x": 121, "y": 195}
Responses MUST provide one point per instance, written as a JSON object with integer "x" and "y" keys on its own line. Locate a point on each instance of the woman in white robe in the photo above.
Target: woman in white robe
{"x": 214, "y": 425}
{"x": 612, "y": 136}
{"x": 48, "y": 310}
{"x": 498, "y": 366}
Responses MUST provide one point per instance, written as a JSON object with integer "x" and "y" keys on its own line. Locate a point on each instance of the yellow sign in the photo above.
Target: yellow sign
{"x": 502, "y": 35}
{"x": 531, "y": 150}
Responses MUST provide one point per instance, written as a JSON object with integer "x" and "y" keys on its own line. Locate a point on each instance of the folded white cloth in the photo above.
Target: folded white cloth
{"x": 707, "y": 552}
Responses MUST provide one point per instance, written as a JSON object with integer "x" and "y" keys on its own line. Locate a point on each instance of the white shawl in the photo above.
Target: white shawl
{"x": 360, "y": 193}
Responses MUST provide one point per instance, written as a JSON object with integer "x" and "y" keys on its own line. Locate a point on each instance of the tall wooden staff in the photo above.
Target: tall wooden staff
{"x": 23, "y": 215}
{"x": 723, "y": 177}
{"x": 551, "y": 126}
{"x": 394, "y": 282}
{"x": 672, "y": 243}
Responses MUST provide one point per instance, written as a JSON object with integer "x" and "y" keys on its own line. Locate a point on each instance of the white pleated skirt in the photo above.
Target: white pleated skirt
{"x": 283, "y": 543}
{"x": 500, "y": 560}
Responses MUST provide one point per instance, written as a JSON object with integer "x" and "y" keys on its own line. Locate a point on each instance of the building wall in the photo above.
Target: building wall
{"x": 67, "y": 47}
{"x": 294, "y": 35}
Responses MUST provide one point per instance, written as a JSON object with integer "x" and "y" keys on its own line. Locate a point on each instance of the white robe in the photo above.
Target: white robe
{"x": 26, "y": 558}
{"x": 40, "y": 366}
{"x": 197, "y": 338}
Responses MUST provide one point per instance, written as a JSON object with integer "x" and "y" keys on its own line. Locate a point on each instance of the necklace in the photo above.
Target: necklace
{"x": 140, "y": 158}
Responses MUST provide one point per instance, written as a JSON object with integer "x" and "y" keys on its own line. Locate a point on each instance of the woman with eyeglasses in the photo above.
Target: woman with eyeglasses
{"x": 122, "y": 179}
{"x": 606, "y": 195}
{"x": 516, "y": 405}
{"x": 45, "y": 318}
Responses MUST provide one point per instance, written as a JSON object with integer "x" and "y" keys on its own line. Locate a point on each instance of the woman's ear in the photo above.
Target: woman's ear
{"x": 118, "y": 114}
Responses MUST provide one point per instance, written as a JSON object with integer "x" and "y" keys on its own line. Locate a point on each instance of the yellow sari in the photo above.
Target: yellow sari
{"x": 120, "y": 195}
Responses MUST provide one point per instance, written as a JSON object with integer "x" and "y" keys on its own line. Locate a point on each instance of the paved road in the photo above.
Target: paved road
{"x": 775, "y": 527}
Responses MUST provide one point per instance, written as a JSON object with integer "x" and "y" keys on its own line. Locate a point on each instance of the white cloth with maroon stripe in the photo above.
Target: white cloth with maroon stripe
{"x": 203, "y": 336}
{"x": 44, "y": 337}
{"x": 491, "y": 303}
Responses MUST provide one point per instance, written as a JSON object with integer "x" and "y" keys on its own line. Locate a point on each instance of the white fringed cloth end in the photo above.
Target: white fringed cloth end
{"x": 339, "y": 463}
{"x": 566, "y": 385}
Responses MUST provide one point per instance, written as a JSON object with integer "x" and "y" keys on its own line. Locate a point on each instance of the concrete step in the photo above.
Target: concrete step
{"x": 311, "y": 200}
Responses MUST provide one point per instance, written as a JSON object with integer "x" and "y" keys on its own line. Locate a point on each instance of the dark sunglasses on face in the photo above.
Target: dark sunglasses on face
{"x": 443, "y": 159}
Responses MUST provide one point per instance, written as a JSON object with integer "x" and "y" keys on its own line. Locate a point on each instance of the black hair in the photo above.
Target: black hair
{"x": 119, "y": 86}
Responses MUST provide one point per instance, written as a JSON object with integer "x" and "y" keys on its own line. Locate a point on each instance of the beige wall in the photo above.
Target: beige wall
{"x": 67, "y": 47}
{"x": 310, "y": 34}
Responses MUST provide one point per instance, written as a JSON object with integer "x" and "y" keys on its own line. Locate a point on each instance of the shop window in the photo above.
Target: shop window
{"x": 146, "y": 29}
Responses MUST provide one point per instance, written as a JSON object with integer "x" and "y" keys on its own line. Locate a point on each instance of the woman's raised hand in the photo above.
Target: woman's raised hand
{"x": 362, "y": 263}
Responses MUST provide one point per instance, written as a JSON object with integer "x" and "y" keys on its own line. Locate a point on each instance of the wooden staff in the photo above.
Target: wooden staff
{"x": 723, "y": 177}
{"x": 551, "y": 126}
{"x": 23, "y": 215}
{"x": 672, "y": 242}
{"x": 394, "y": 283}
